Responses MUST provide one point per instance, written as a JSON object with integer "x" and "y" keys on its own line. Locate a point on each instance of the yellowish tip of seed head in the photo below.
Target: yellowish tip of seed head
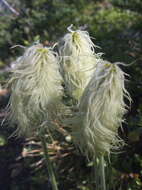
{"x": 42, "y": 50}
{"x": 113, "y": 68}
{"x": 75, "y": 37}
{"x": 107, "y": 65}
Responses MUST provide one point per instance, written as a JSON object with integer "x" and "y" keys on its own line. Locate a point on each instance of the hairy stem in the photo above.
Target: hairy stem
{"x": 102, "y": 172}
{"x": 99, "y": 164}
{"x": 48, "y": 163}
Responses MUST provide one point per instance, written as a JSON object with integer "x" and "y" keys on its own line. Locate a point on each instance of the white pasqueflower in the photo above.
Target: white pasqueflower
{"x": 78, "y": 63}
{"x": 36, "y": 90}
{"x": 101, "y": 111}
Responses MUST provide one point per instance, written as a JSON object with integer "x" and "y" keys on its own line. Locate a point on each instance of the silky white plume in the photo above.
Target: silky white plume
{"x": 78, "y": 63}
{"x": 101, "y": 110}
{"x": 36, "y": 89}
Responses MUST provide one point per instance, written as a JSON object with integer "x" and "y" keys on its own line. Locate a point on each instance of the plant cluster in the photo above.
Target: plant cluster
{"x": 41, "y": 79}
{"x": 116, "y": 24}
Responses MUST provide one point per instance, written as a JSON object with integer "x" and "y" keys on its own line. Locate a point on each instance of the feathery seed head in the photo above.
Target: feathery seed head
{"x": 36, "y": 89}
{"x": 101, "y": 112}
{"x": 79, "y": 62}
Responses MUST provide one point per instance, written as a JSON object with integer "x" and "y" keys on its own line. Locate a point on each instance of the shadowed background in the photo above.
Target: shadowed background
{"x": 116, "y": 26}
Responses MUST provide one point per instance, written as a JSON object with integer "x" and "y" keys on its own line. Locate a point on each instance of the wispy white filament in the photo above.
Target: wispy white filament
{"x": 36, "y": 89}
{"x": 101, "y": 112}
{"x": 79, "y": 61}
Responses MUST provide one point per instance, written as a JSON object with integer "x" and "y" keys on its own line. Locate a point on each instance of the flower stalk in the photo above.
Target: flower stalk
{"x": 102, "y": 165}
{"x": 48, "y": 162}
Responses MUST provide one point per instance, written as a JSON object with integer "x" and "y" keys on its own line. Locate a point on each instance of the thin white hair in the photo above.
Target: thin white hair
{"x": 101, "y": 111}
{"x": 78, "y": 63}
{"x": 37, "y": 91}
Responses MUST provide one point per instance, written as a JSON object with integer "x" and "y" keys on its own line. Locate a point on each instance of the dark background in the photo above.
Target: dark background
{"x": 116, "y": 26}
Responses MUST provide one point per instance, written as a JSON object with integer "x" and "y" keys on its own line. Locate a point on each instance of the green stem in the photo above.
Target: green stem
{"x": 48, "y": 163}
{"x": 102, "y": 172}
{"x": 97, "y": 176}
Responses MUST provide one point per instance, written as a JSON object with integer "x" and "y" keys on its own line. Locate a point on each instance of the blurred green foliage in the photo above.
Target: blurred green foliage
{"x": 117, "y": 28}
